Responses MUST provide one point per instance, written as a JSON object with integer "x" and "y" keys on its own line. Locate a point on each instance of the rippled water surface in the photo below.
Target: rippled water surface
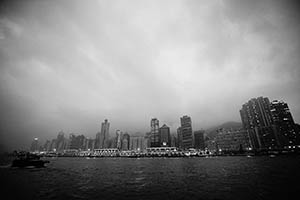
{"x": 156, "y": 178}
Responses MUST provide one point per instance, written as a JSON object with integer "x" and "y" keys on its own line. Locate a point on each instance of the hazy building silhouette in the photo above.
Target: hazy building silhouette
{"x": 47, "y": 146}
{"x": 179, "y": 138}
{"x": 119, "y": 139}
{"x": 199, "y": 139}
{"x": 125, "y": 142}
{"x": 102, "y": 138}
{"x": 165, "y": 138}
{"x": 187, "y": 132}
{"x": 76, "y": 142}
{"x": 154, "y": 132}
{"x": 147, "y": 139}
{"x": 137, "y": 142}
{"x": 284, "y": 122}
{"x": 53, "y": 144}
{"x": 89, "y": 144}
{"x": 61, "y": 143}
{"x": 174, "y": 141}
{"x": 34, "y": 145}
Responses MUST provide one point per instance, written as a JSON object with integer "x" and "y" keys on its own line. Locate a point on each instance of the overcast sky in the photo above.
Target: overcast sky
{"x": 68, "y": 65}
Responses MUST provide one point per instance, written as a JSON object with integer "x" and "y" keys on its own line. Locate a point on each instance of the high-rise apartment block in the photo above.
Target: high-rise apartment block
{"x": 155, "y": 133}
{"x": 256, "y": 118}
{"x": 269, "y": 124}
{"x": 187, "y": 132}
{"x": 284, "y": 122}
{"x": 256, "y": 113}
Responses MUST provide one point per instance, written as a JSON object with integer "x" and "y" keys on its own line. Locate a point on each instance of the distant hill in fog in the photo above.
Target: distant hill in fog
{"x": 212, "y": 132}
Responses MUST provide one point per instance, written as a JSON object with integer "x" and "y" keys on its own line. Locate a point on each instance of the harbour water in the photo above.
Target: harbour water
{"x": 237, "y": 177}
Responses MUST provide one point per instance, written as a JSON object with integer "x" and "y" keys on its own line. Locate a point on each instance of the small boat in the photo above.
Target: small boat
{"x": 27, "y": 160}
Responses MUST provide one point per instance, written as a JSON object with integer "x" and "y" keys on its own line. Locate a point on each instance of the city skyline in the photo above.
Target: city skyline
{"x": 265, "y": 125}
{"x": 69, "y": 65}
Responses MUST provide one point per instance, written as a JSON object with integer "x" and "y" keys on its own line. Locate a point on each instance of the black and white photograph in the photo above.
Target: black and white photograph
{"x": 149, "y": 99}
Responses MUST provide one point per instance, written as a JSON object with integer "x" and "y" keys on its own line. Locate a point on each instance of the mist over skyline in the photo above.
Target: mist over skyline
{"x": 68, "y": 65}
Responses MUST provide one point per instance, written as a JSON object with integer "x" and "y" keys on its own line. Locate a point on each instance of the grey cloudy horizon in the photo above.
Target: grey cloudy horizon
{"x": 68, "y": 65}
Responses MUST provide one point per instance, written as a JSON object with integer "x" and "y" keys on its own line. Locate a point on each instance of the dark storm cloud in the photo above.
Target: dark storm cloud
{"x": 67, "y": 65}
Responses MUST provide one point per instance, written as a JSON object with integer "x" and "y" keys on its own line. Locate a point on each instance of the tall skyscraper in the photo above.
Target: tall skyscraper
{"x": 257, "y": 120}
{"x": 284, "y": 123}
{"x": 155, "y": 133}
{"x": 119, "y": 139}
{"x": 256, "y": 113}
{"x": 165, "y": 138}
{"x": 199, "y": 139}
{"x": 187, "y": 132}
{"x": 102, "y": 138}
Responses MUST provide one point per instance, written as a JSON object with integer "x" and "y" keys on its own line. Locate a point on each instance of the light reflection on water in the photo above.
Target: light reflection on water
{"x": 156, "y": 178}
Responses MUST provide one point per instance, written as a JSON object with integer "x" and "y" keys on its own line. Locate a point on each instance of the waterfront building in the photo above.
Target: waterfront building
{"x": 211, "y": 146}
{"x": 89, "y": 144}
{"x": 199, "y": 139}
{"x": 112, "y": 142}
{"x": 47, "y": 146}
{"x": 137, "y": 142}
{"x": 102, "y": 138}
{"x": 165, "y": 138}
{"x": 125, "y": 142}
{"x": 34, "y": 145}
{"x": 60, "y": 142}
{"x": 285, "y": 125}
{"x": 119, "y": 135}
{"x": 53, "y": 144}
{"x": 179, "y": 138}
{"x": 155, "y": 133}
{"x": 106, "y": 152}
{"x": 147, "y": 139}
{"x": 173, "y": 141}
{"x": 257, "y": 120}
{"x": 76, "y": 142}
{"x": 232, "y": 141}
{"x": 187, "y": 132}
{"x": 162, "y": 151}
